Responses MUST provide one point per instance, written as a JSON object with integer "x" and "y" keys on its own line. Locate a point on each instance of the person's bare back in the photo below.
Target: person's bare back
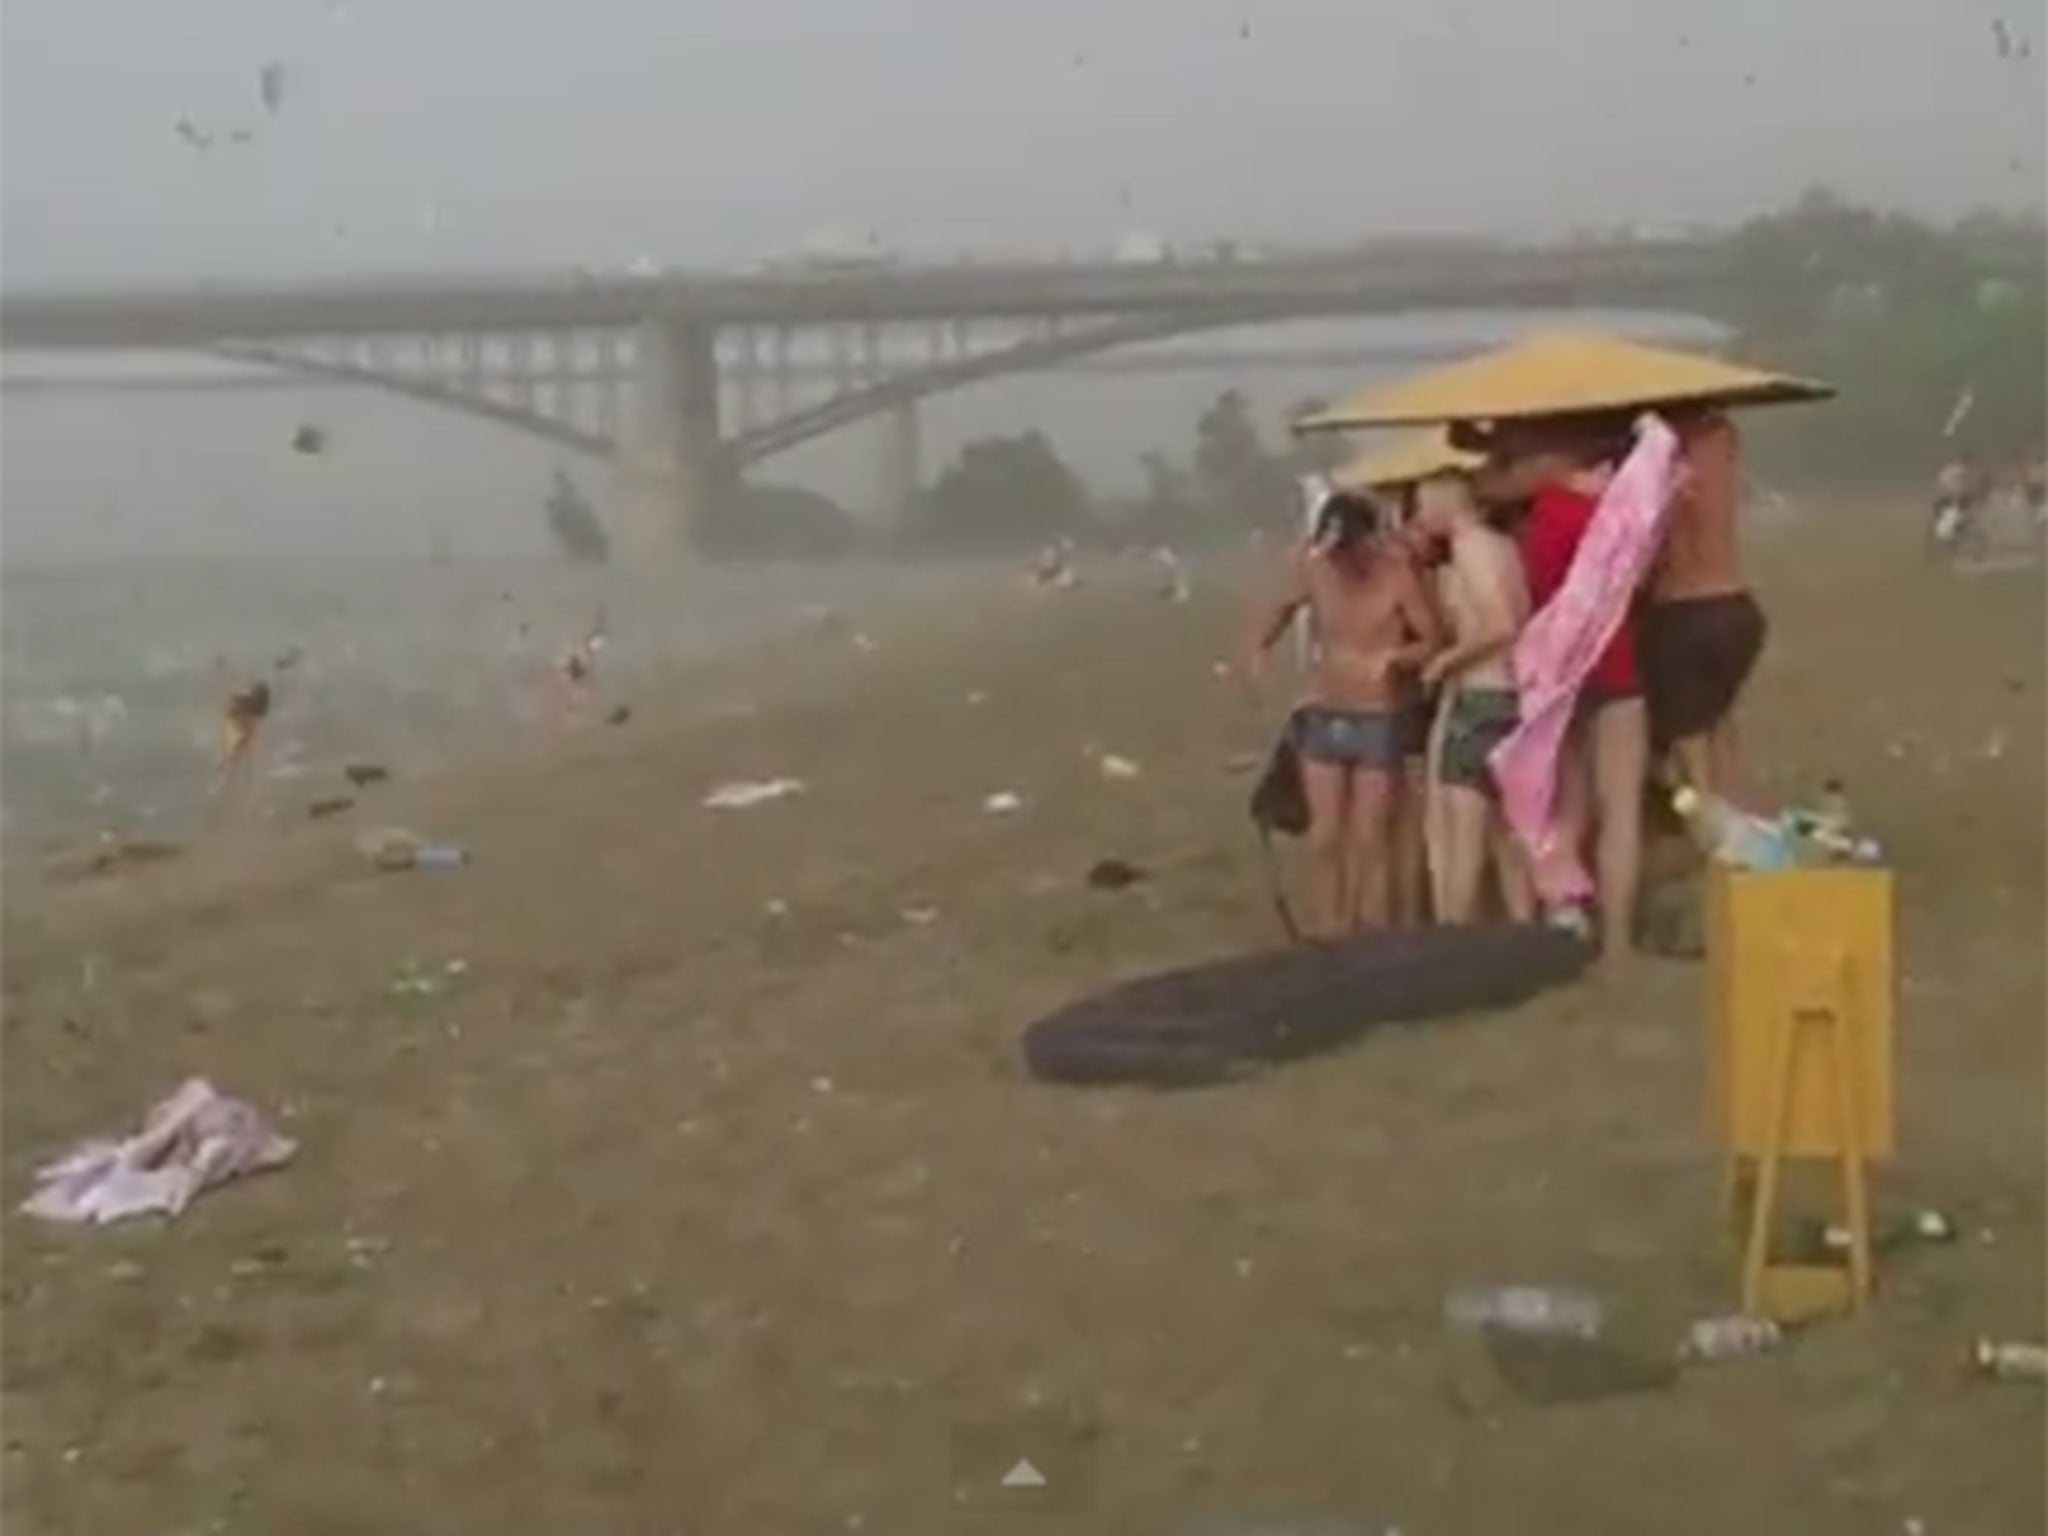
{"x": 1701, "y": 556}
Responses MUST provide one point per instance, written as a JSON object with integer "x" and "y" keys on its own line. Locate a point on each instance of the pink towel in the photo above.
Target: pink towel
{"x": 1562, "y": 640}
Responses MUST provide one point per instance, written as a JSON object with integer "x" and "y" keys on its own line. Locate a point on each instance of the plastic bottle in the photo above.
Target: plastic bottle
{"x": 1925, "y": 1226}
{"x": 2012, "y": 1362}
{"x": 1831, "y": 807}
{"x": 1526, "y": 1309}
{"x": 1730, "y": 1338}
{"x": 439, "y": 856}
{"x": 1730, "y": 835}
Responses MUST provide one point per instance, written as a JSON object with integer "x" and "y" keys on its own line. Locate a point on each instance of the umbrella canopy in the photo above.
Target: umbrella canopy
{"x": 1402, "y": 461}
{"x": 1560, "y": 373}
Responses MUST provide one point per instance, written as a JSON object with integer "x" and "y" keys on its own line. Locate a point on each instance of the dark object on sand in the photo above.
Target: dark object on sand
{"x": 619, "y": 715}
{"x": 309, "y": 439}
{"x": 1279, "y": 804}
{"x": 363, "y": 775}
{"x": 1560, "y": 1368}
{"x": 333, "y": 805}
{"x": 110, "y": 854}
{"x": 1113, "y": 875}
{"x": 1211, "y": 1023}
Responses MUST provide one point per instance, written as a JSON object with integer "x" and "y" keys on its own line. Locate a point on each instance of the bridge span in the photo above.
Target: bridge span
{"x": 683, "y": 380}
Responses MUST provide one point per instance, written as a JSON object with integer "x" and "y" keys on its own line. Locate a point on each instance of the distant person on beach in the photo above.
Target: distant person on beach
{"x": 1958, "y": 495}
{"x": 1174, "y": 586}
{"x": 242, "y": 718}
{"x": 573, "y": 678}
{"x": 1485, "y": 600}
{"x": 1053, "y": 569}
{"x": 1373, "y": 624}
{"x": 1702, "y": 631}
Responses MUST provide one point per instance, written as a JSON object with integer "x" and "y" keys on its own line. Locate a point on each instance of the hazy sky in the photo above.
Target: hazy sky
{"x": 515, "y": 133}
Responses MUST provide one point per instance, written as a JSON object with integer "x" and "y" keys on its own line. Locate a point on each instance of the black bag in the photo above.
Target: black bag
{"x": 1279, "y": 803}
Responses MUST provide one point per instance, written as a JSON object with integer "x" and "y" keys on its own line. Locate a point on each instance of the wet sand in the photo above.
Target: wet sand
{"x": 713, "y": 1199}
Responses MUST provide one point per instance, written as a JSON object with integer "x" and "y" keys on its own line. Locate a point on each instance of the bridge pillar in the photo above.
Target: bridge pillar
{"x": 672, "y": 472}
{"x": 897, "y": 464}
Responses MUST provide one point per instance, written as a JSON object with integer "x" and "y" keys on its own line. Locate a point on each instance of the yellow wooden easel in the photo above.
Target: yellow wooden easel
{"x": 1800, "y": 1005}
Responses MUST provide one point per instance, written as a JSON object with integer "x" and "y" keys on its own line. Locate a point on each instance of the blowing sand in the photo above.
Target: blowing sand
{"x": 712, "y": 1199}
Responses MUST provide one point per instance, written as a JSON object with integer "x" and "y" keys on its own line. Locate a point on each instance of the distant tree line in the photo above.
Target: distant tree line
{"x": 1007, "y": 494}
{"x": 1914, "y": 324}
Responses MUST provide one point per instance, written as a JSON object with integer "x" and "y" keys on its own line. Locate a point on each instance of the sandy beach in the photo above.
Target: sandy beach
{"x": 712, "y": 1197}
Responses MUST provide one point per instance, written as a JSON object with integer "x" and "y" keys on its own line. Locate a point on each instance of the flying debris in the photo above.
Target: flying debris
{"x": 1960, "y": 411}
{"x": 270, "y": 86}
{"x": 193, "y": 134}
{"x": 309, "y": 439}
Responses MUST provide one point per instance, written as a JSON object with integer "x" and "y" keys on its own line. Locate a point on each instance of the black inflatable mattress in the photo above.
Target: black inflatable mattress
{"x": 1208, "y": 1023}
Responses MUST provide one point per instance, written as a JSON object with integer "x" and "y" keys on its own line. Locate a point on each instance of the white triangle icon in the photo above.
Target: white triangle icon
{"x": 1023, "y": 1475}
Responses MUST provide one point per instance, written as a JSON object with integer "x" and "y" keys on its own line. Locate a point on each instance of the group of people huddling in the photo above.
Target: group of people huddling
{"x": 1517, "y": 635}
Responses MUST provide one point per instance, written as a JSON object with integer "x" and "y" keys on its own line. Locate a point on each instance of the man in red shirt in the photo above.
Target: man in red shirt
{"x": 1559, "y": 470}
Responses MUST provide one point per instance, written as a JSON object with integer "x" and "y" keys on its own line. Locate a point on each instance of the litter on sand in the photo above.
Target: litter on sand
{"x": 1114, "y": 874}
{"x": 110, "y": 854}
{"x": 1114, "y": 767}
{"x": 189, "y": 1142}
{"x": 1002, "y": 803}
{"x": 740, "y": 794}
{"x": 389, "y": 847}
{"x": 417, "y": 978}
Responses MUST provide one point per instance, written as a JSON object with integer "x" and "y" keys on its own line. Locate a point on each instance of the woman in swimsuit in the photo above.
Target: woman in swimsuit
{"x": 1374, "y": 626}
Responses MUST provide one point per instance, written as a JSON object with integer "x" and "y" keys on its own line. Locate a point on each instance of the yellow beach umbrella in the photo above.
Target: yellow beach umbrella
{"x": 1558, "y": 373}
{"x": 1402, "y": 461}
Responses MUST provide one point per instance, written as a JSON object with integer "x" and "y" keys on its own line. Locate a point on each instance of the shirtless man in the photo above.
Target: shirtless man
{"x": 1373, "y": 621}
{"x": 1486, "y": 601}
{"x": 1702, "y": 631}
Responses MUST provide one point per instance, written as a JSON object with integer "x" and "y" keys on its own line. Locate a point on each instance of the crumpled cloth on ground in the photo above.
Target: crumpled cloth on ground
{"x": 189, "y": 1142}
{"x": 1560, "y": 644}
{"x": 741, "y": 794}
